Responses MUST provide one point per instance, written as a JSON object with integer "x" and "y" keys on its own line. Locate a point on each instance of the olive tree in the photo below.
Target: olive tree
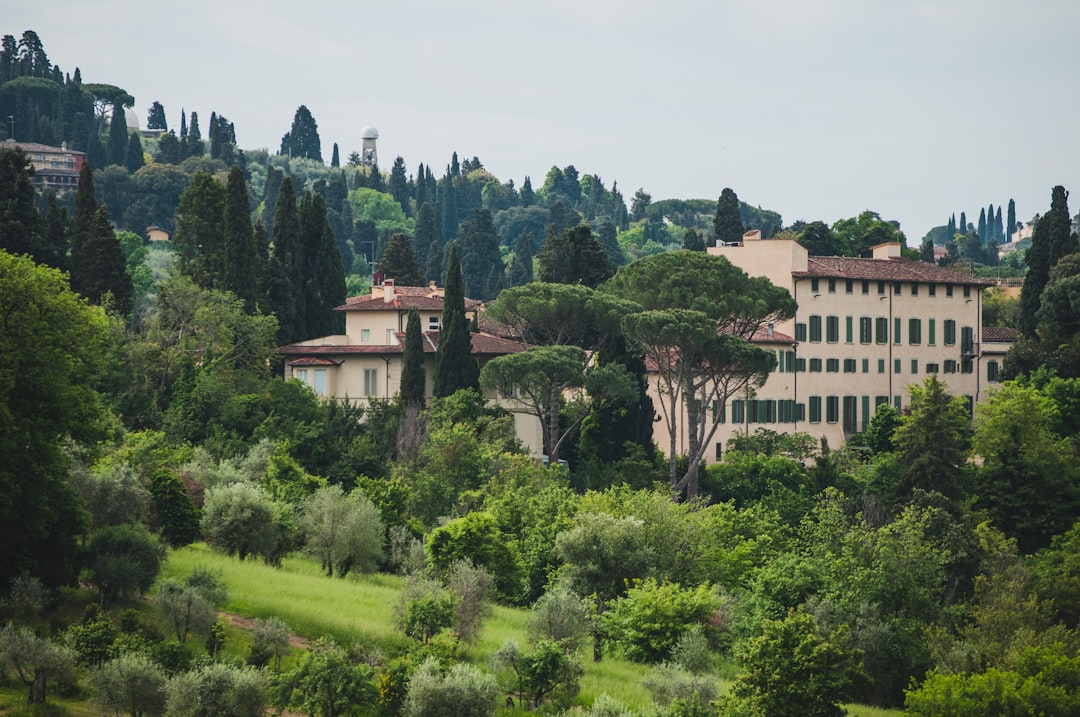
{"x": 342, "y": 531}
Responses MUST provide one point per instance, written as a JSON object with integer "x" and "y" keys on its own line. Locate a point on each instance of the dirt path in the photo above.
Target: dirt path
{"x": 247, "y": 623}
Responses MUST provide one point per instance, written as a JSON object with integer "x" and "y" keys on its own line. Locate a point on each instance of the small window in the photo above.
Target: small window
{"x": 967, "y": 291}
{"x": 931, "y": 289}
{"x": 931, "y": 331}
{"x": 914, "y": 366}
{"x": 866, "y": 330}
{"x": 948, "y": 290}
{"x": 915, "y": 331}
{"x": 865, "y": 286}
{"x": 832, "y": 365}
{"x": 815, "y": 409}
{"x": 433, "y": 323}
{"x": 815, "y": 286}
{"x": 815, "y": 365}
{"x": 881, "y": 330}
{"x": 931, "y": 368}
{"x": 832, "y": 286}
{"x": 832, "y": 409}
{"x": 832, "y": 329}
{"x": 881, "y": 365}
{"x": 815, "y": 329}
{"x": 881, "y": 287}
{"x": 949, "y": 366}
{"x": 896, "y": 368}
{"x": 800, "y": 331}
{"x": 719, "y": 451}
{"x": 365, "y": 334}
{"x": 849, "y": 286}
{"x": 866, "y": 365}
{"x": 992, "y": 370}
{"x": 301, "y": 374}
{"x": 319, "y": 383}
{"x": 848, "y": 329}
{"x": 391, "y": 337}
{"x": 950, "y": 332}
{"x": 371, "y": 382}
{"x": 850, "y": 365}
{"x": 896, "y": 288}
{"x": 896, "y": 330}
{"x": 967, "y": 366}
{"x": 914, "y": 288}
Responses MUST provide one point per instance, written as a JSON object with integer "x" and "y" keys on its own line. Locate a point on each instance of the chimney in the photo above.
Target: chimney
{"x": 388, "y": 291}
{"x": 888, "y": 250}
{"x": 771, "y": 329}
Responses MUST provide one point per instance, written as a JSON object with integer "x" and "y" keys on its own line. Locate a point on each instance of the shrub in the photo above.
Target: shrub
{"x": 130, "y": 683}
{"x": 464, "y": 691}
{"x": 647, "y": 623}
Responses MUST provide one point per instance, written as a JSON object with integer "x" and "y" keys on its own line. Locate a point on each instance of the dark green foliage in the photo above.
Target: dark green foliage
{"x": 455, "y": 367}
{"x": 476, "y": 537}
{"x": 819, "y": 240}
{"x": 1051, "y": 241}
{"x": 52, "y": 246}
{"x": 241, "y": 257}
{"x": 99, "y": 267}
{"x": 321, "y": 271}
{"x": 426, "y": 608}
{"x": 174, "y": 511}
{"x": 302, "y": 140}
{"x": 574, "y": 257}
{"x": 168, "y": 149}
{"x": 727, "y": 225}
{"x": 399, "y": 262}
{"x": 18, "y": 218}
{"x": 932, "y": 442}
{"x": 692, "y": 241}
{"x": 329, "y": 682}
{"x": 155, "y": 117}
{"x": 549, "y": 674}
{"x": 463, "y": 691}
{"x": 399, "y": 185}
{"x": 123, "y": 560}
{"x": 199, "y": 237}
{"x": 478, "y": 248}
{"x": 413, "y": 377}
{"x": 335, "y": 158}
{"x": 133, "y": 155}
{"x": 118, "y": 135}
{"x": 284, "y": 279}
{"x": 647, "y": 622}
{"x": 521, "y": 267}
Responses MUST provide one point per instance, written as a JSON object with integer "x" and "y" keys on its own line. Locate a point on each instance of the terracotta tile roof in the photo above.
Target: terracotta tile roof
{"x": 1003, "y": 334}
{"x": 313, "y": 361}
{"x": 38, "y": 147}
{"x": 482, "y": 344}
{"x": 843, "y": 267}
{"x": 762, "y": 336}
{"x": 400, "y": 302}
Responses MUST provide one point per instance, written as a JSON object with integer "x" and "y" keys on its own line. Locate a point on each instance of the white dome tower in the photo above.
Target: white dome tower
{"x": 368, "y": 156}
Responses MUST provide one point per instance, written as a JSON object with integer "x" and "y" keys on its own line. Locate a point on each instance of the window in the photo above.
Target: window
{"x": 787, "y": 358}
{"x": 896, "y": 330}
{"x": 719, "y": 451}
{"x": 371, "y": 382}
{"x": 896, "y": 288}
{"x": 850, "y": 365}
{"x": 832, "y": 286}
{"x": 815, "y": 365}
{"x": 320, "y": 382}
{"x": 866, "y": 365}
{"x": 879, "y": 400}
{"x": 967, "y": 366}
{"x": 948, "y": 290}
{"x": 832, "y": 329}
{"x": 832, "y": 365}
{"x": 391, "y": 337}
{"x": 815, "y": 409}
{"x": 949, "y": 327}
{"x": 931, "y": 289}
{"x": 851, "y": 407}
{"x": 848, "y": 332}
{"x": 301, "y": 374}
{"x": 967, "y": 340}
{"x": 866, "y": 330}
{"x": 949, "y": 366}
{"x": 800, "y": 331}
{"x": 992, "y": 371}
{"x": 815, "y": 286}
{"x": 433, "y": 323}
{"x": 881, "y": 287}
{"x": 914, "y": 331}
{"x": 815, "y": 328}
{"x": 896, "y": 364}
{"x": 897, "y": 403}
{"x": 967, "y": 291}
{"x": 914, "y": 288}
{"x": 849, "y": 286}
{"x": 931, "y": 368}
{"x": 800, "y": 364}
{"x": 865, "y": 286}
{"x": 931, "y": 331}
{"x": 832, "y": 409}
{"x": 865, "y": 413}
{"x": 881, "y": 328}
{"x": 881, "y": 365}
{"x": 719, "y": 416}
{"x": 738, "y": 411}
{"x": 914, "y": 366}
{"x": 365, "y": 334}
{"x": 762, "y": 411}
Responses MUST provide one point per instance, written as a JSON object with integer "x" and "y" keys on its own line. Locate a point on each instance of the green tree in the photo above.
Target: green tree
{"x": 34, "y": 661}
{"x": 699, "y": 313}
{"x": 727, "y": 224}
{"x": 52, "y": 247}
{"x": 343, "y": 531}
{"x": 54, "y": 353}
{"x": 547, "y": 674}
{"x": 455, "y": 367}
{"x": 131, "y": 684}
{"x": 475, "y": 537}
{"x": 857, "y": 235}
{"x": 118, "y": 135}
{"x": 284, "y": 279}
{"x": 321, "y": 271}
{"x": 155, "y": 117}
{"x": 184, "y": 608}
{"x": 692, "y": 241}
{"x": 328, "y": 683}
{"x": 645, "y": 624}
{"x": 792, "y": 669}
{"x": 241, "y": 261}
{"x": 239, "y": 519}
{"x": 425, "y": 238}
{"x": 302, "y": 140}
{"x": 932, "y": 442}
{"x": 199, "y": 237}
{"x": 574, "y": 257}
{"x": 399, "y": 262}
{"x": 478, "y": 250}
{"x": 413, "y": 376}
{"x": 133, "y": 154}
{"x": 818, "y": 240}
{"x": 464, "y": 691}
{"x": 521, "y": 266}
{"x": 217, "y": 689}
{"x": 123, "y": 560}
{"x": 1051, "y": 240}
{"x": 18, "y": 218}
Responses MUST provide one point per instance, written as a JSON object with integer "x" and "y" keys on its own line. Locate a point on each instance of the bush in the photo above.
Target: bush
{"x": 215, "y": 690}
{"x": 647, "y": 623}
{"x": 327, "y": 683}
{"x": 130, "y": 683}
{"x": 560, "y": 616}
{"x": 239, "y": 519}
{"x": 123, "y": 560}
{"x": 463, "y": 692}
{"x": 426, "y": 608}
{"x": 548, "y": 672}
{"x": 269, "y": 639}
{"x": 476, "y": 537}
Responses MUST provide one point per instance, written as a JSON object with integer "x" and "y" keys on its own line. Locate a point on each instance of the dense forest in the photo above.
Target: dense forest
{"x": 931, "y": 565}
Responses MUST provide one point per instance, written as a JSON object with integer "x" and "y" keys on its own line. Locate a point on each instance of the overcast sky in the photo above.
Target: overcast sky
{"x": 817, "y": 109}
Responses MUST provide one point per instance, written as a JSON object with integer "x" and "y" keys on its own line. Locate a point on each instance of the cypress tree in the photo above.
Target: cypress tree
{"x": 421, "y": 187}
{"x": 270, "y": 194}
{"x": 528, "y": 197}
{"x": 692, "y": 241}
{"x": 982, "y": 227}
{"x": 133, "y": 159}
{"x": 521, "y": 266}
{"x": 18, "y": 218}
{"x": 155, "y": 117}
{"x": 284, "y": 283}
{"x": 199, "y": 238}
{"x": 435, "y": 262}
{"x": 450, "y": 219}
{"x": 241, "y": 256}
{"x": 963, "y": 228}
{"x": 183, "y": 123}
{"x": 399, "y": 262}
{"x": 375, "y": 178}
{"x": 335, "y": 158}
{"x": 999, "y": 227}
{"x": 168, "y": 149}
{"x": 323, "y": 287}
{"x": 118, "y": 135}
{"x": 53, "y": 246}
{"x": 413, "y": 378}
{"x": 727, "y": 225}
{"x": 574, "y": 257}
{"x": 195, "y": 145}
{"x": 424, "y": 234}
{"x": 479, "y": 251}
{"x": 1010, "y": 227}
{"x": 399, "y": 185}
{"x": 1051, "y": 241}
{"x": 85, "y": 209}
{"x": 609, "y": 239}
{"x": 455, "y": 367}
{"x": 101, "y": 265}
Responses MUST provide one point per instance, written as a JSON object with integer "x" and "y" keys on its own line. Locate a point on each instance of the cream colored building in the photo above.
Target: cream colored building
{"x": 364, "y": 363}
{"x": 865, "y": 330}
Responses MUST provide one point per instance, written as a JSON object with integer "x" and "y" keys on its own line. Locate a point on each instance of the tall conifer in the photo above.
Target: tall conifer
{"x": 413, "y": 378}
{"x": 284, "y": 293}
{"x": 455, "y": 367}
{"x": 321, "y": 270}
{"x": 118, "y": 135}
{"x": 241, "y": 256}
{"x": 1010, "y": 225}
{"x": 727, "y": 225}
{"x": 1050, "y": 242}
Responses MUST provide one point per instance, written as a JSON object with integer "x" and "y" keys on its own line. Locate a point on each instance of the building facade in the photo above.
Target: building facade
{"x": 56, "y": 169}
{"x": 865, "y": 330}
{"x": 365, "y": 362}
